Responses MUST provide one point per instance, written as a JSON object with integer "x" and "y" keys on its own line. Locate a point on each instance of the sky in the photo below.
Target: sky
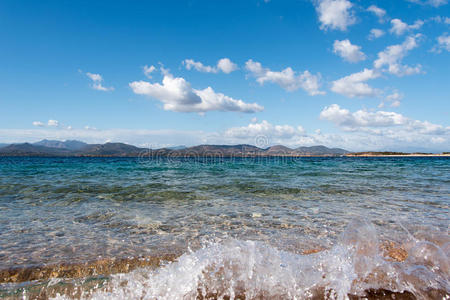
{"x": 360, "y": 75}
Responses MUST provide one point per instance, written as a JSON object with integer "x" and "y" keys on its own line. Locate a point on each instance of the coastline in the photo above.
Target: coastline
{"x": 399, "y": 155}
{"x": 221, "y": 155}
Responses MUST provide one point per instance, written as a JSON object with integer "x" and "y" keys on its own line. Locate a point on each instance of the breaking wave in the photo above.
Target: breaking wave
{"x": 358, "y": 265}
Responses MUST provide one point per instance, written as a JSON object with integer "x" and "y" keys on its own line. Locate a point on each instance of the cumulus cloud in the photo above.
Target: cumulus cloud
{"x": 53, "y": 123}
{"x": 224, "y": 65}
{"x": 355, "y": 84}
{"x": 443, "y": 43}
{"x": 264, "y": 128}
{"x": 335, "y": 14}
{"x": 50, "y": 123}
{"x": 398, "y": 27}
{"x": 97, "y": 80}
{"x": 393, "y": 55}
{"x": 348, "y": 51}
{"x": 379, "y": 12}
{"x": 264, "y": 133}
{"x": 439, "y": 19}
{"x": 38, "y": 124}
{"x": 370, "y": 122}
{"x": 177, "y": 95}
{"x": 435, "y": 3}
{"x": 362, "y": 130}
{"x": 394, "y": 99}
{"x": 288, "y": 79}
{"x": 375, "y": 33}
{"x": 361, "y": 118}
{"x": 395, "y": 103}
{"x": 148, "y": 70}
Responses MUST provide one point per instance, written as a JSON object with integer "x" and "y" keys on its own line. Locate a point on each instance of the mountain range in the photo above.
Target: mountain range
{"x": 78, "y": 148}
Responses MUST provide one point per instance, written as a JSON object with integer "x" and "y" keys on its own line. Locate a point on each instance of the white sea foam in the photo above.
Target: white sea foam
{"x": 256, "y": 270}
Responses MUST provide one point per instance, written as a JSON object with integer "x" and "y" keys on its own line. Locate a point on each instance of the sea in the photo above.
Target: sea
{"x": 225, "y": 228}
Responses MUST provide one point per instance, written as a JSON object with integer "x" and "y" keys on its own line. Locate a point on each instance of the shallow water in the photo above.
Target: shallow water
{"x": 242, "y": 227}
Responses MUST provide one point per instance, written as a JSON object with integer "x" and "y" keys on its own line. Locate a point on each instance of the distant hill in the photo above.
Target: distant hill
{"x": 77, "y": 148}
{"x": 279, "y": 149}
{"x": 111, "y": 149}
{"x": 69, "y": 144}
{"x": 320, "y": 150}
{"x": 177, "y": 147}
{"x": 27, "y": 149}
{"x": 249, "y": 150}
{"x": 223, "y": 150}
{"x": 3, "y": 145}
{"x": 395, "y": 154}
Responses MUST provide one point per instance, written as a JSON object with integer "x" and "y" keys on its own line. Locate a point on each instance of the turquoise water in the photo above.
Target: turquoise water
{"x": 59, "y": 210}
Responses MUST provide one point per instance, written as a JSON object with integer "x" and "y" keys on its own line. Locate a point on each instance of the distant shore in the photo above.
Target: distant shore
{"x": 47, "y": 148}
{"x": 394, "y": 154}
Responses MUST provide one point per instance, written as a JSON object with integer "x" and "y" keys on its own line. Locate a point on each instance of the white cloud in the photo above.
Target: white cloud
{"x": 361, "y": 118}
{"x": 53, "y": 123}
{"x": 224, "y": 64}
{"x": 191, "y": 64}
{"x": 394, "y": 99}
{"x": 264, "y": 128}
{"x": 435, "y": 3}
{"x": 391, "y": 123}
{"x": 335, "y": 14}
{"x": 393, "y": 55}
{"x": 443, "y": 43}
{"x": 94, "y": 77}
{"x": 379, "y": 12}
{"x": 375, "y": 33}
{"x": 395, "y": 103}
{"x": 399, "y": 27}
{"x": 355, "y": 84}
{"x": 363, "y": 130}
{"x": 440, "y": 19}
{"x": 287, "y": 78}
{"x": 348, "y": 51}
{"x": 178, "y": 95}
{"x": 97, "y": 82}
{"x": 264, "y": 134}
{"x": 394, "y": 96}
{"x": 148, "y": 70}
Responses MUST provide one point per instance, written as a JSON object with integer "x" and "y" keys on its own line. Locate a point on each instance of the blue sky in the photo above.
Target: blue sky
{"x": 354, "y": 74}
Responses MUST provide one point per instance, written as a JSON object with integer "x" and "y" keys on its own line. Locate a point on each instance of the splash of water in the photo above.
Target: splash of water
{"x": 237, "y": 269}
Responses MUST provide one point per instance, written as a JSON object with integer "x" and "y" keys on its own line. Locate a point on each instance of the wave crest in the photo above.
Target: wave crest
{"x": 358, "y": 265}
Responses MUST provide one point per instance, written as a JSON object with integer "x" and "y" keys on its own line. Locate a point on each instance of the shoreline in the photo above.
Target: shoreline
{"x": 219, "y": 155}
{"x": 108, "y": 266}
{"x": 397, "y": 155}
{"x": 87, "y": 279}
